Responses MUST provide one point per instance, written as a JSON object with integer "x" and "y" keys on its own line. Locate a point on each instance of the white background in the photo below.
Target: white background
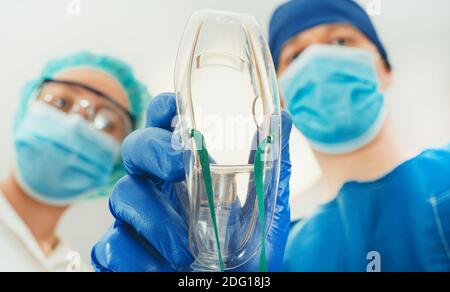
{"x": 146, "y": 34}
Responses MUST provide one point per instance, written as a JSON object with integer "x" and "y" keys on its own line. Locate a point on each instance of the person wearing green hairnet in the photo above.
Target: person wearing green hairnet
{"x": 67, "y": 135}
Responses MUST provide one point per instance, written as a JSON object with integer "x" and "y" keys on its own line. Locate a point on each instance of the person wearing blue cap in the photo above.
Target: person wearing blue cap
{"x": 385, "y": 208}
{"x": 67, "y": 136}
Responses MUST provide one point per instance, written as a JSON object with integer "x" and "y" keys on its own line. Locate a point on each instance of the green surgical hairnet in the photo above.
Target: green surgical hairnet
{"x": 137, "y": 92}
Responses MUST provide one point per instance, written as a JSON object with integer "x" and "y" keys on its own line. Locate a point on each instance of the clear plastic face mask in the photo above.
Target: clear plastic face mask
{"x": 230, "y": 122}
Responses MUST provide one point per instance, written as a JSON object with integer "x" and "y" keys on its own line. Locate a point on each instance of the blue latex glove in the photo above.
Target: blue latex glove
{"x": 151, "y": 231}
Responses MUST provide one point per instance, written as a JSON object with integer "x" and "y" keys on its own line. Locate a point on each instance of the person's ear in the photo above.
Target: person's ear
{"x": 385, "y": 75}
{"x": 387, "y": 80}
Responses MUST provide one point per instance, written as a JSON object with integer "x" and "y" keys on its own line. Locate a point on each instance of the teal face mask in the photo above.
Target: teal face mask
{"x": 333, "y": 96}
{"x": 59, "y": 157}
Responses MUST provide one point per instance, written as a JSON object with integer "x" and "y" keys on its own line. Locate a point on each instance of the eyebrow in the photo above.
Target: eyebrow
{"x": 75, "y": 89}
{"x": 60, "y": 88}
{"x": 341, "y": 26}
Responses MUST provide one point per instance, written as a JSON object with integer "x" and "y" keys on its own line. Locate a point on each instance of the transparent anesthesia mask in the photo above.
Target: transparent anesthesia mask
{"x": 230, "y": 123}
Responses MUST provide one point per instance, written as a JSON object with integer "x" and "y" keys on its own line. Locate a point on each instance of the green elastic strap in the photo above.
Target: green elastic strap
{"x": 259, "y": 182}
{"x": 204, "y": 162}
{"x": 202, "y": 152}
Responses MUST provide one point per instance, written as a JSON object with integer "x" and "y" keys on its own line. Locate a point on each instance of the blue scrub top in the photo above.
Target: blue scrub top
{"x": 403, "y": 217}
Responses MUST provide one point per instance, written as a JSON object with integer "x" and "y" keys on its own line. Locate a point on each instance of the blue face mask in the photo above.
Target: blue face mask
{"x": 59, "y": 157}
{"x": 333, "y": 96}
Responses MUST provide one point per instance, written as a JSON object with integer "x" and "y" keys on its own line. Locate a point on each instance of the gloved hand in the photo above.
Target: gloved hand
{"x": 150, "y": 232}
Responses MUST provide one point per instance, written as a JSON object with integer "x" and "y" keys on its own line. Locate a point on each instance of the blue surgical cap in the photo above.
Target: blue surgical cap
{"x": 137, "y": 92}
{"x": 297, "y": 16}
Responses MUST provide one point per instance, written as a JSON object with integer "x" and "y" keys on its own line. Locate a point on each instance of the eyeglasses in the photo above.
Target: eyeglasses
{"x": 100, "y": 110}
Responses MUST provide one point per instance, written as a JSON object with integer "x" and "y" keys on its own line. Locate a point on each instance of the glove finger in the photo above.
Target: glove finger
{"x": 122, "y": 250}
{"x": 161, "y": 111}
{"x": 140, "y": 204}
{"x": 285, "y": 167}
{"x": 277, "y": 237}
{"x": 150, "y": 152}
